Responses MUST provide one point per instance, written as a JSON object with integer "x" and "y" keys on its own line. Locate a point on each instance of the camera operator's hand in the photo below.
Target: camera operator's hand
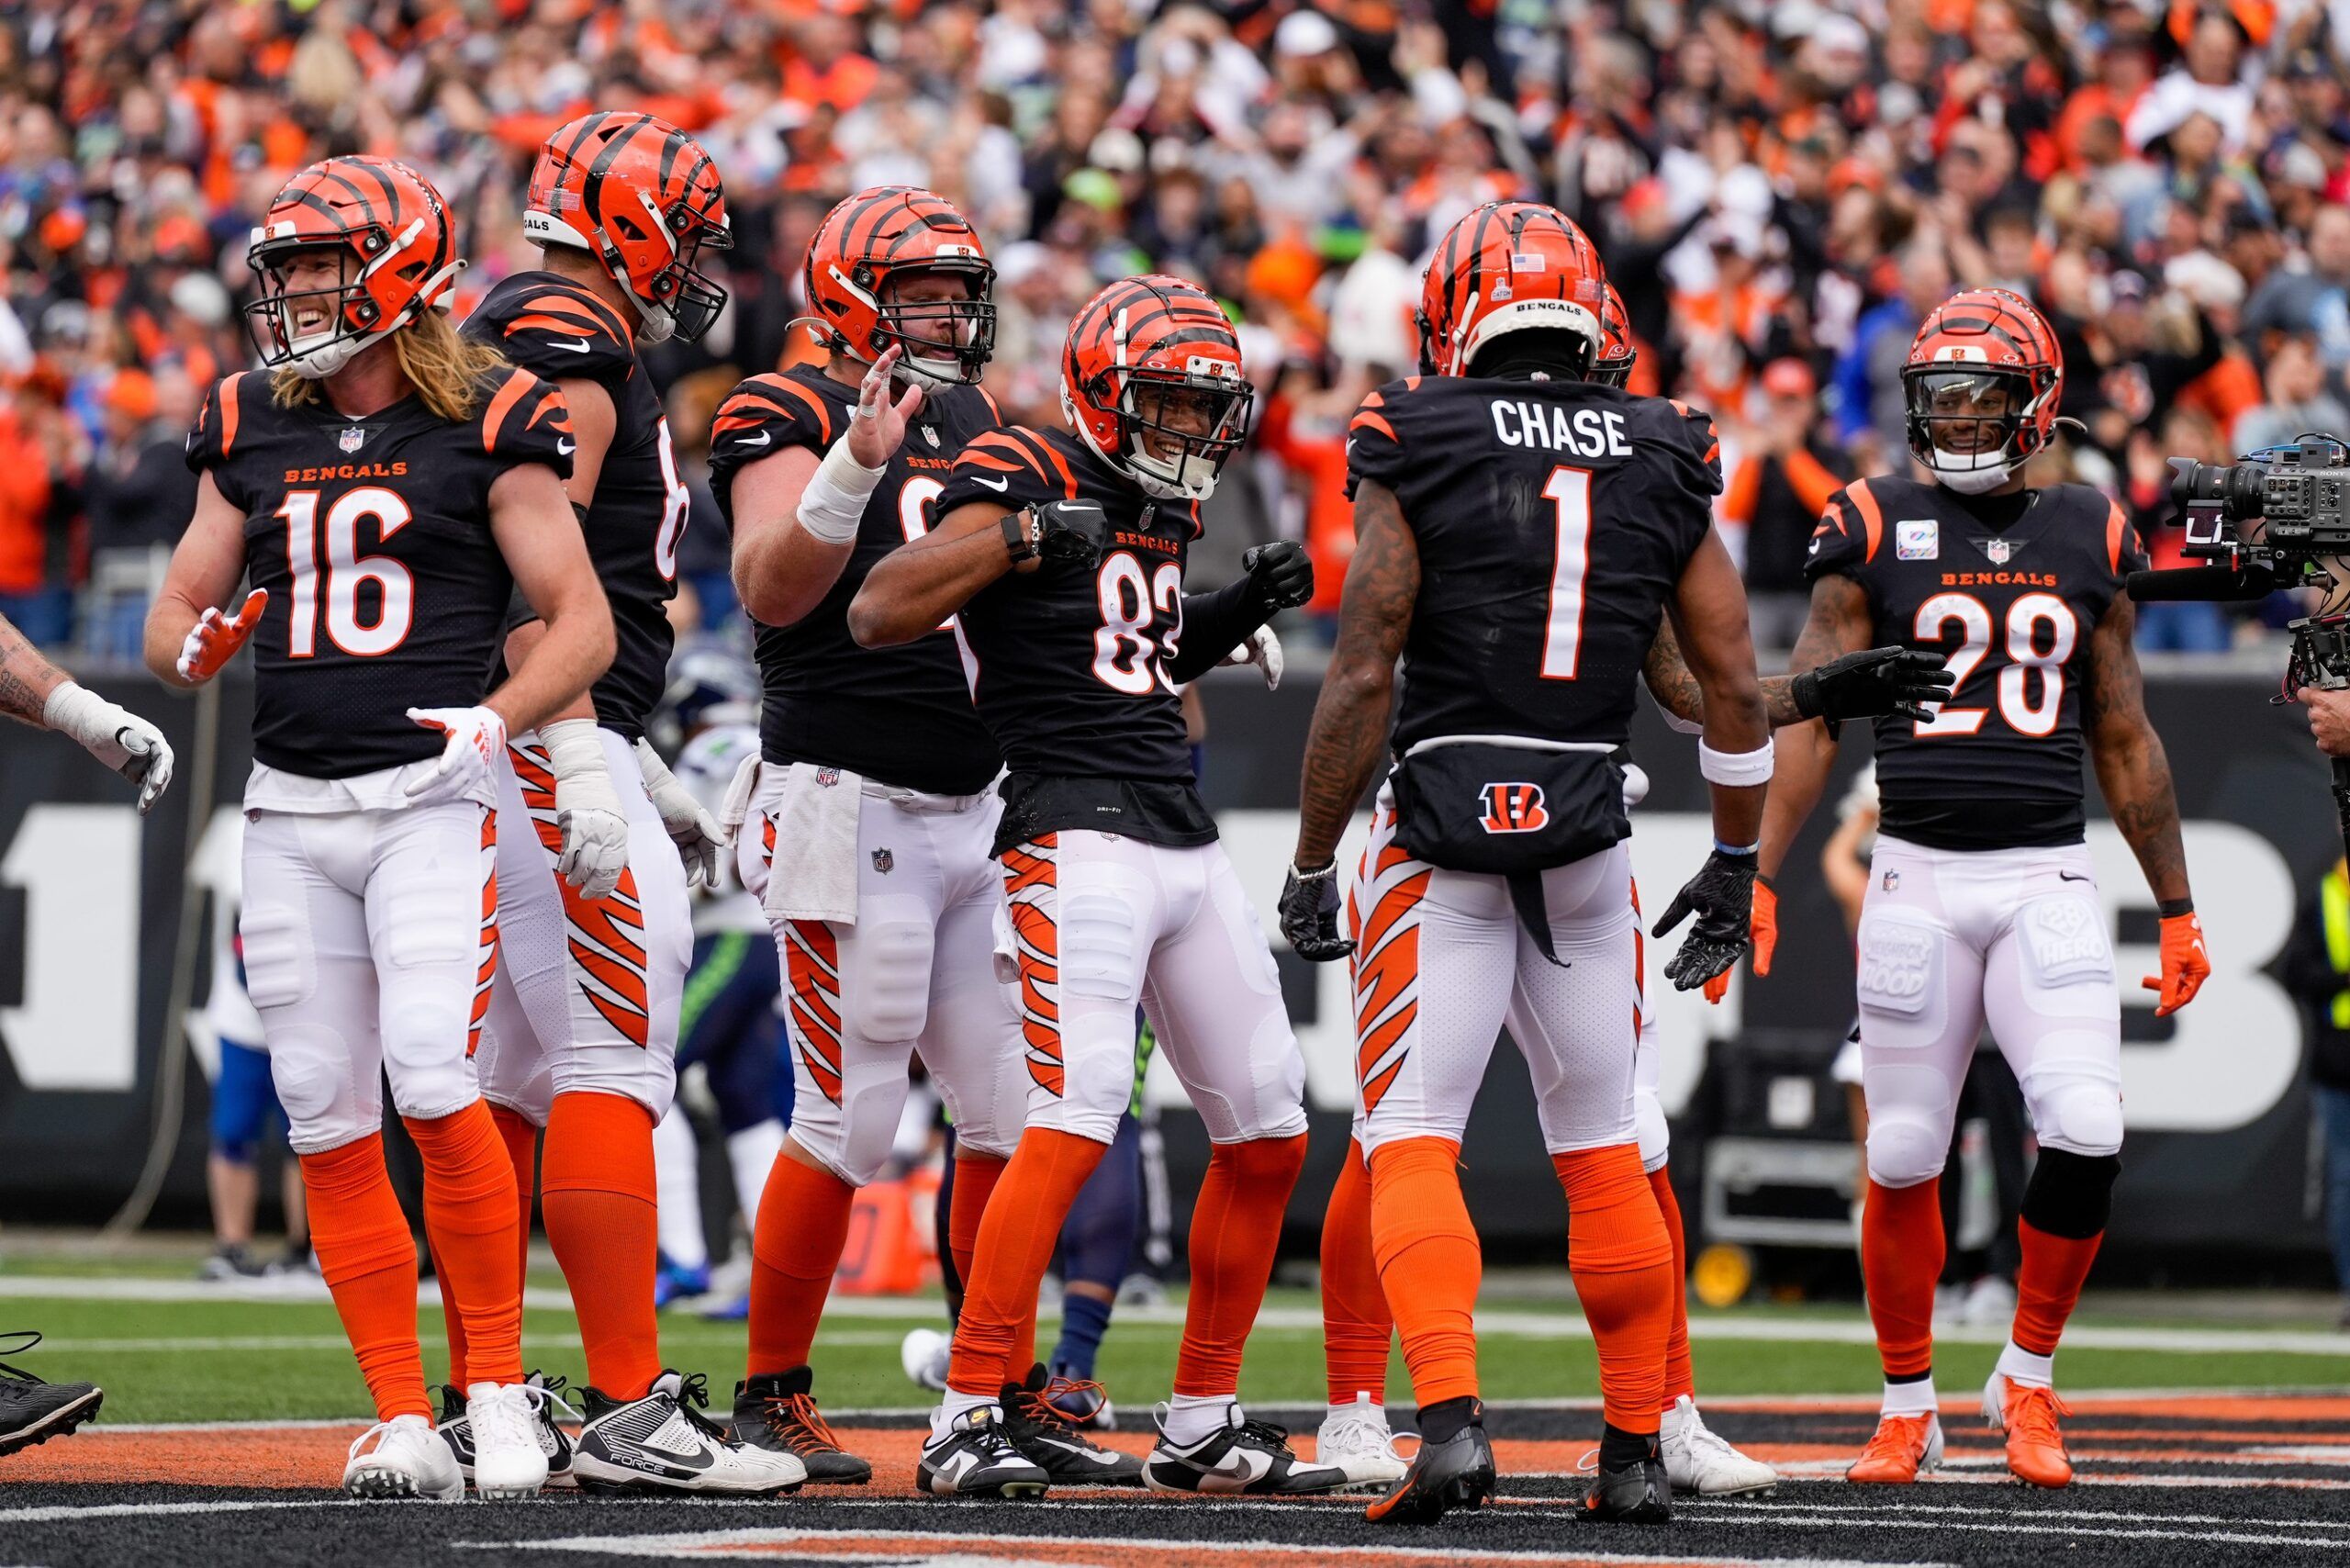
{"x": 2328, "y": 719}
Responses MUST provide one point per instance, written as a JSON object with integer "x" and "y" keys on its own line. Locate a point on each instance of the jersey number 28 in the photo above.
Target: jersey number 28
{"x": 2032, "y": 617}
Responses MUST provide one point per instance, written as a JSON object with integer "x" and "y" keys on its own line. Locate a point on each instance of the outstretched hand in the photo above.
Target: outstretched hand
{"x": 877, "y": 426}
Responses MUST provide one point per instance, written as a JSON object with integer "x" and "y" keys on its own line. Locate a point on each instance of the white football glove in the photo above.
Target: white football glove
{"x": 695, "y": 834}
{"x": 476, "y": 737}
{"x": 1262, "y": 649}
{"x": 116, "y": 736}
{"x": 587, "y": 808}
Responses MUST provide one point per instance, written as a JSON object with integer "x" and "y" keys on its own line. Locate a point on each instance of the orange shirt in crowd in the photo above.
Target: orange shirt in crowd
{"x": 24, "y": 506}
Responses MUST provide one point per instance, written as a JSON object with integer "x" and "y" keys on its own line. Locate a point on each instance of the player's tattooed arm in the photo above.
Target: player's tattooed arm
{"x": 2133, "y": 768}
{"x": 1840, "y": 623}
{"x": 1351, "y": 718}
{"x": 26, "y": 678}
{"x": 1677, "y": 692}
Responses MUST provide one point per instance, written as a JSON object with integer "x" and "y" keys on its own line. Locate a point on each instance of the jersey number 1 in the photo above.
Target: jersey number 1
{"x": 345, "y": 569}
{"x": 1568, "y": 491}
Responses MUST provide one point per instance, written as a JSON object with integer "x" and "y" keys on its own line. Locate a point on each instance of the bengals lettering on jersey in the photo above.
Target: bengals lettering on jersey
{"x": 2011, "y": 589}
{"x": 387, "y": 588}
{"x": 561, "y": 330}
{"x": 1553, "y": 519}
{"x": 902, "y": 715}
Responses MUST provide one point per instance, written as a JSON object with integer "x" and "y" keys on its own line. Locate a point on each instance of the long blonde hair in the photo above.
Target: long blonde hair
{"x": 450, "y": 371}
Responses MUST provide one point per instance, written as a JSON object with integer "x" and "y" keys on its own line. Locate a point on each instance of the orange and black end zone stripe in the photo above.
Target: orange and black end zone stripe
{"x": 1015, "y": 450}
{"x": 766, "y": 397}
{"x": 1386, "y": 963}
{"x": 814, "y": 956}
{"x": 488, "y": 970}
{"x": 1030, "y": 879}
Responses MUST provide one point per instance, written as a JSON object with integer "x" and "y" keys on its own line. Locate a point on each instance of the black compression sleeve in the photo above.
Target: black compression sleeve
{"x": 1214, "y": 625}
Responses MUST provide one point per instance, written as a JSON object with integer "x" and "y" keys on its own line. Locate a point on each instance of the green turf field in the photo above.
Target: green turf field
{"x": 209, "y": 1359}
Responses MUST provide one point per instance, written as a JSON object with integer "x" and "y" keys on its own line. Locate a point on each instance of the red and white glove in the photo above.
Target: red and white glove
{"x": 2186, "y": 964}
{"x": 477, "y": 737}
{"x": 215, "y": 638}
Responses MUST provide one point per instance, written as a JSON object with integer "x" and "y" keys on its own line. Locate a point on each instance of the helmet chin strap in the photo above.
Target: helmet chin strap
{"x": 1974, "y": 481}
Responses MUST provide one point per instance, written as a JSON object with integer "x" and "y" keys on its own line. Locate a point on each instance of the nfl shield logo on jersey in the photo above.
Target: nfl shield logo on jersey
{"x": 1512, "y": 808}
{"x": 354, "y": 438}
{"x": 1917, "y": 539}
{"x": 2000, "y": 552}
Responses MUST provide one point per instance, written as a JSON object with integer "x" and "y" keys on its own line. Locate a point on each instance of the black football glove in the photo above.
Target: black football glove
{"x": 1310, "y": 914}
{"x": 1280, "y": 576}
{"x": 1072, "y": 531}
{"x": 1873, "y": 682}
{"x": 1721, "y": 895}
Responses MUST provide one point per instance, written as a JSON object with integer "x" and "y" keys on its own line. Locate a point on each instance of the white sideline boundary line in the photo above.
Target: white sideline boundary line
{"x": 1566, "y": 1324}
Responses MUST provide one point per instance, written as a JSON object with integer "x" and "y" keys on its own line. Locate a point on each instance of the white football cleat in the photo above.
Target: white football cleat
{"x": 663, "y": 1442}
{"x": 409, "y": 1460}
{"x": 502, "y": 1420}
{"x": 1355, "y": 1438}
{"x": 1699, "y": 1460}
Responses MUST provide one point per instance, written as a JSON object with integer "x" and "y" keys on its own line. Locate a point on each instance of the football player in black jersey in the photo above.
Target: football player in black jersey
{"x": 1356, "y": 1326}
{"x": 596, "y": 934}
{"x": 1520, "y": 533}
{"x": 870, "y": 820}
{"x": 1982, "y": 903}
{"x": 384, "y": 487}
{"x": 1062, "y": 557}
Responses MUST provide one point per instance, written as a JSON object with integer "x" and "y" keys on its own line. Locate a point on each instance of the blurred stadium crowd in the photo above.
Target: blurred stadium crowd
{"x": 1780, "y": 190}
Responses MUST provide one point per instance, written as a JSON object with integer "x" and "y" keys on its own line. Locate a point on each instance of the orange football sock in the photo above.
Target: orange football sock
{"x": 1356, "y": 1325}
{"x": 369, "y": 1260}
{"x": 521, "y": 1140}
{"x": 470, "y": 1215}
{"x": 795, "y": 1249}
{"x": 1429, "y": 1264}
{"x": 1235, "y": 1230}
{"x": 1678, "y": 1379}
{"x": 596, "y": 1191}
{"x": 2048, "y": 1286}
{"x": 1901, "y": 1257}
{"x": 1018, "y": 1229}
{"x": 1622, "y": 1261}
{"x": 975, "y": 1178}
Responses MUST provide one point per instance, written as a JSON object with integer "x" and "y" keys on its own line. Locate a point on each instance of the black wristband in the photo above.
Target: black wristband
{"x": 1020, "y": 536}
{"x": 2171, "y": 909}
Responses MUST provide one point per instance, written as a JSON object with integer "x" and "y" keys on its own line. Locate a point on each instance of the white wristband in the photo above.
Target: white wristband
{"x": 74, "y": 709}
{"x": 833, "y": 502}
{"x": 1737, "y": 769}
{"x": 576, "y": 755}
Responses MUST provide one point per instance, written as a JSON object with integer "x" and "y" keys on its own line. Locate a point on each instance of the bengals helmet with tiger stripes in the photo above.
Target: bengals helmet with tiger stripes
{"x": 871, "y": 243}
{"x": 390, "y": 232}
{"x": 1978, "y": 342}
{"x": 1143, "y": 354}
{"x": 642, "y": 197}
{"x": 1617, "y": 353}
{"x": 1510, "y": 266}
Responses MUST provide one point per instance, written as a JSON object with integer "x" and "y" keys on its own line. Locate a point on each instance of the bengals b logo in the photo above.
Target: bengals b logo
{"x": 1513, "y": 807}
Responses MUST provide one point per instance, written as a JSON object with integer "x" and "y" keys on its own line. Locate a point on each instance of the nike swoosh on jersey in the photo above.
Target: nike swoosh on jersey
{"x": 566, "y": 448}
{"x": 993, "y": 484}
{"x": 581, "y": 346}
{"x": 760, "y": 438}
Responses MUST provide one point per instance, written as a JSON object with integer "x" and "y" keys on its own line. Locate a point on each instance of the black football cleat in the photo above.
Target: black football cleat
{"x": 1455, "y": 1474}
{"x": 1036, "y": 1425}
{"x": 779, "y": 1413}
{"x": 1637, "y": 1493}
{"x": 33, "y": 1411}
{"x": 976, "y": 1460}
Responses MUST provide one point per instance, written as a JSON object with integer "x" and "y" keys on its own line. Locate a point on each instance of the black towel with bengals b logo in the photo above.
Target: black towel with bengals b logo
{"x": 386, "y": 589}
